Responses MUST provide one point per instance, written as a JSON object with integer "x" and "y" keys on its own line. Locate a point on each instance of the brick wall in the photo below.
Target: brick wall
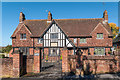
{"x": 7, "y": 67}
{"x": 99, "y": 64}
{"x": 65, "y": 64}
{"x": 16, "y": 42}
{"x": 96, "y": 42}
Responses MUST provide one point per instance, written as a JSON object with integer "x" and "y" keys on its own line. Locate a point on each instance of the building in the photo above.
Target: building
{"x": 91, "y": 36}
{"x": 49, "y": 39}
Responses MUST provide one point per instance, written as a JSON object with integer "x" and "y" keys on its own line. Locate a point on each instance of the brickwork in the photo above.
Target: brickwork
{"x": 17, "y": 42}
{"x": 100, "y": 66}
{"x": 17, "y": 64}
{"x": 97, "y": 42}
{"x": 65, "y": 65}
{"x": 37, "y": 61}
{"x": 10, "y": 53}
{"x": 7, "y": 67}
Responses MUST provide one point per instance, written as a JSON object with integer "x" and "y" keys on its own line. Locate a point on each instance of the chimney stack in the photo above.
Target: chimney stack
{"x": 105, "y": 16}
{"x": 49, "y": 17}
{"x": 21, "y": 17}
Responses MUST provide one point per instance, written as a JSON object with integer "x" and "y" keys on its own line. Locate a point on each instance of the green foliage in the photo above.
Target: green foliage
{"x": 2, "y": 55}
{"x": 6, "y": 49}
{"x": 46, "y": 58}
{"x": 109, "y": 52}
{"x": 114, "y": 29}
{"x": 61, "y": 57}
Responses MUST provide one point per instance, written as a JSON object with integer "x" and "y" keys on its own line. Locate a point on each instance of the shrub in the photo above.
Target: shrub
{"x": 109, "y": 52}
{"x": 2, "y": 56}
{"x": 61, "y": 57}
{"x": 46, "y": 58}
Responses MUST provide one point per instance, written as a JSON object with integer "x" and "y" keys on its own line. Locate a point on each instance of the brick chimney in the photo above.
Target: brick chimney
{"x": 21, "y": 17}
{"x": 49, "y": 17}
{"x": 105, "y": 16}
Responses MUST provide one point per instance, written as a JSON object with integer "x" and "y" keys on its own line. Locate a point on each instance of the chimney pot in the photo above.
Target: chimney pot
{"x": 49, "y": 17}
{"x": 105, "y": 16}
{"x": 21, "y": 17}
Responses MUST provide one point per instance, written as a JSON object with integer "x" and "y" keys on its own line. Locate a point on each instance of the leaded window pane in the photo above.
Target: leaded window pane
{"x": 99, "y": 35}
{"x": 82, "y": 40}
{"x": 22, "y": 36}
{"x": 99, "y": 51}
{"x": 54, "y": 35}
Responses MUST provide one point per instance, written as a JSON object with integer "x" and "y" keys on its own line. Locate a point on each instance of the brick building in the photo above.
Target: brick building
{"x": 50, "y": 37}
{"x": 91, "y": 36}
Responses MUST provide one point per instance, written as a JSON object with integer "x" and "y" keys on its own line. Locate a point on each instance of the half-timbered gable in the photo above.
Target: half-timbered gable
{"x": 55, "y": 37}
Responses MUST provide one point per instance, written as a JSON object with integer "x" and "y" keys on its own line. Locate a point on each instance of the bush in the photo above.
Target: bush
{"x": 2, "y": 56}
{"x": 109, "y": 52}
{"x": 46, "y": 58}
{"x": 61, "y": 57}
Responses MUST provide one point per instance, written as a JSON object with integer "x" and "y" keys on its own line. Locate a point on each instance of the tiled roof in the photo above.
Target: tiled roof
{"x": 71, "y": 27}
{"x": 78, "y": 27}
{"x": 37, "y": 27}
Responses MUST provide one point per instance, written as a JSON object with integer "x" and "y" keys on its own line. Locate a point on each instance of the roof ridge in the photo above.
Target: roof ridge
{"x": 35, "y": 19}
{"x": 79, "y": 19}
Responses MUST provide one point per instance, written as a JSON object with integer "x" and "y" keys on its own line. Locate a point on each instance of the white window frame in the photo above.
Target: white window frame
{"x": 99, "y": 35}
{"x": 23, "y": 38}
{"x": 83, "y": 42}
{"x": 99, "y": 54}
{"x": 75, "y": 40}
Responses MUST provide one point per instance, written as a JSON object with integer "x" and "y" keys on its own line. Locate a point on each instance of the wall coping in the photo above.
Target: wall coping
{"x": 98, "y": 57}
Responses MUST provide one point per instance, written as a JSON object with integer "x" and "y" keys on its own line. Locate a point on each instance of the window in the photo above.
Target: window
{"x": 75, "y": 40}
{"x": 54, "y": 35}
{"x": 99, "y": 35}
{"x": 99, "y": 51}
{"x": 40, "y": 40}
{"x": 22, "y": 36}
{"x": 82, "y": 40}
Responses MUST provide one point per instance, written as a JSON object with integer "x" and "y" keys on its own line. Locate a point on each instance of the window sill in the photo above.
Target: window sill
{"x": 83, "y": 42}
{"x": 39, "y": 43}
{"x": 22, "y": 39}
{"x": 99, "y": 55}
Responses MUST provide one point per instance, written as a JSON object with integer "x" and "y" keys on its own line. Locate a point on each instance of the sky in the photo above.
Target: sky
{"x": 59, "y": 10}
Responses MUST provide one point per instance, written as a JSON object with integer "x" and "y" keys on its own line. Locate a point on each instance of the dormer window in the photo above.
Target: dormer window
{"x": 22, "y": 36}
{"x": 40, "y": 40}
{"x": 99, "y": 35}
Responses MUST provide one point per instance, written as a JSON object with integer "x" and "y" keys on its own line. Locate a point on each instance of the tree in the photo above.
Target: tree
{"x": 6, "y": 49}
{"x": 114, "y": 29}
